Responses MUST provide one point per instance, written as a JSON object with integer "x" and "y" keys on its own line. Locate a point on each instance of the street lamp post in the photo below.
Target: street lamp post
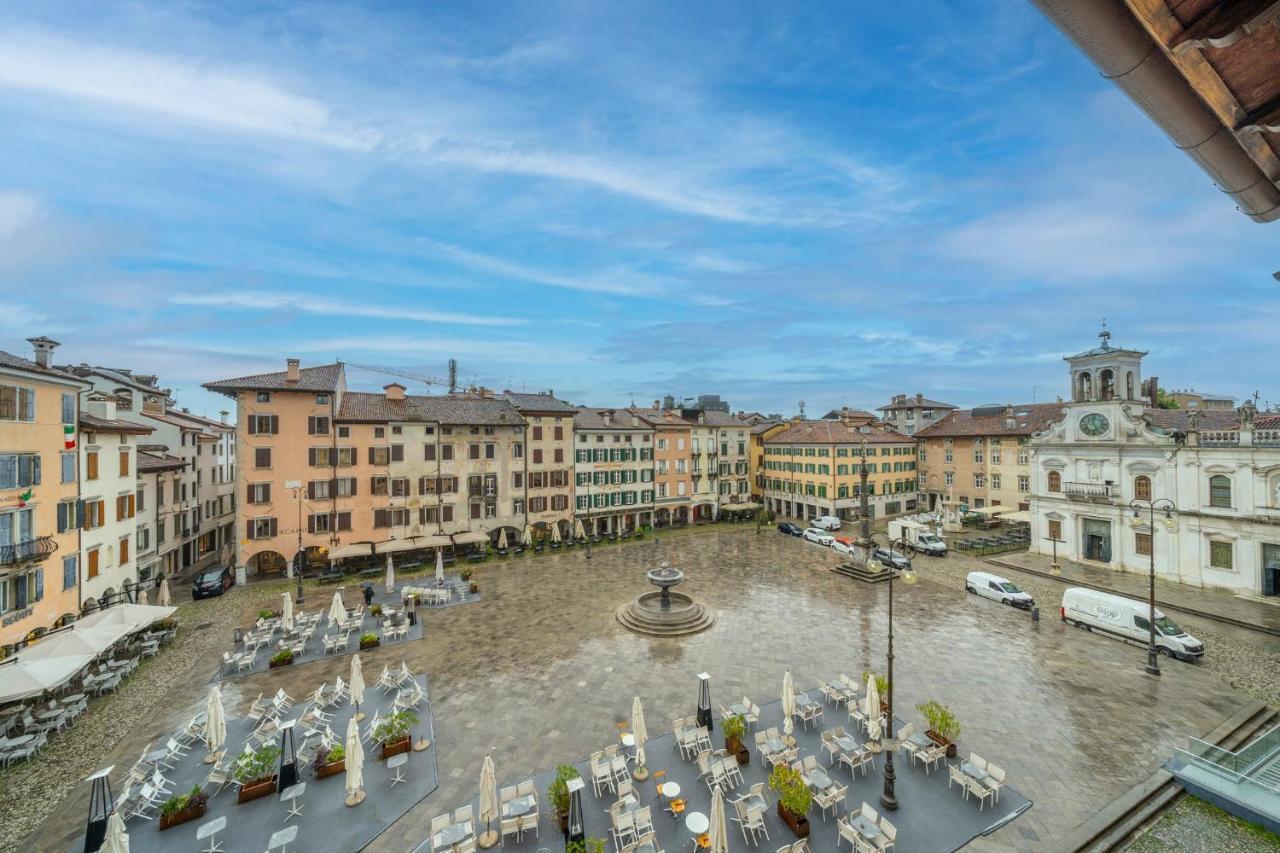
{"x": 297, "y": 558}
{"x": 888, "y": 796}
{"x": 1168, "y": 508}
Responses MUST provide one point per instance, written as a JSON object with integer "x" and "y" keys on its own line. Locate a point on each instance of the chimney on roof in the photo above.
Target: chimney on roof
{"x": 635, "y": 420}
{"x": 1010, "y": 422}
{"x": 606, "y": 415}
{"x": 291, "y": 370}
{"x": 44, "y": 348}
{"x": 223, "y": 414}
{"x": 702, "y": 417}
{"x": 657, "y": 405}
{"x": 919, "y": 398}
{"x": 899, "y": 398}
{"x": 395, "y": 391}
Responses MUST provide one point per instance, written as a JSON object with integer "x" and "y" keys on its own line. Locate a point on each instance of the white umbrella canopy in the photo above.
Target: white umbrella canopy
{"x": 439, "y": 567}
{"x": 578, "y": 530}
{"x": 719, "y": 826}
{"x": 357, "y": 682}
{"x": 354, "y": 757}
{"x": 488, "y": 792}
{"x": 528, "y": 535}
{"x": 286, "y": 611}
{"x": 555, "y": 531}
{"x": 215, "y": 724}
{"x": 788, "y": 703}
{"x": 117, "y": 840}
{"x": 337, "y": 610}
{"x": 391, "y": 576}
{"x": 162, "y": 597}
{"x": 871, "y": 707}
{"x": 638, "y": 730}
{"x": 502, "y": 539}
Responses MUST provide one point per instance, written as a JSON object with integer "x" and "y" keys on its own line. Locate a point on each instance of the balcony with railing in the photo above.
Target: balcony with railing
{"x": 1091, "y": 491}
{"x": 29, "y": 551}
{"x": 1240, "y": 438}
{"x": 1245, "y": 783}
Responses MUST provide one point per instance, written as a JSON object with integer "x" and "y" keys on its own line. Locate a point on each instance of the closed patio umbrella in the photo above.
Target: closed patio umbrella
{"x": 215, "y": 725}
{"x": 117, "y": 840}
{"x": 871, "y": 707}
{"x": 502, "y": 539}
{"x": 439, "y": 567}
{"x": 337, "y": 610}
{"x": 162, "y": 598}
{"x": 286, "y": 611}
{"x": 788, "y": 703}
{"x": 488, "y": 801}
{"x": 391, "y": 576}
{"x": 578, "y": 530}
{"x": 528, "y": 535}
{"x": 357, "y": 685}
{"x": 354, "y": 756}
{"x": 719, "y": 827}
{"x": 638, "y": 730}
{"x": 555, "y": 532}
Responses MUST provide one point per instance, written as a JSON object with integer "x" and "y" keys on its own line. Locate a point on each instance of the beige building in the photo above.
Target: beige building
{"x": 548, "y": 461}
{"x": 39, "y": 488}
{"x": 613, "y": 470}
{"x": 158, "y": 510}
{"x": 761, "y": 432}
{"x": 908, "y": 414}
{"x": 1189, "y": 398}
{"x": 673, "y": 464}
{"x": 975, "y": 458}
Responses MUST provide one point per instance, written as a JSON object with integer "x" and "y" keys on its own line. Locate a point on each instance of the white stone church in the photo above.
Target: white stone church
{"x": 1216, "y": 472}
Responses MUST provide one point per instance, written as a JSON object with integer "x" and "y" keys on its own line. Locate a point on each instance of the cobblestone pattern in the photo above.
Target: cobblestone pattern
{"x": 1194, "y": 826}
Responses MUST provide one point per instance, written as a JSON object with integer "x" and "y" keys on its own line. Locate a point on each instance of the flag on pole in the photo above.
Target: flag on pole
{"x": 68, "y": 436}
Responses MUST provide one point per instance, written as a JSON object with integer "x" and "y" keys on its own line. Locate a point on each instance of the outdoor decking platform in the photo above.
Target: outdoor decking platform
{"x": 930, "y": 816}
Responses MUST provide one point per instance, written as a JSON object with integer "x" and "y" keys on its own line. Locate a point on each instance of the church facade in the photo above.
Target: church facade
{"x": 1212, "y": 476}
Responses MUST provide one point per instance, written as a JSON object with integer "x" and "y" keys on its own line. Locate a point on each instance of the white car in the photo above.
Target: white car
{"x": 844, "y": 546}
{"x": 827, "y": 522}
{"x": 998, "y": 589}
{"x": 822, "y": 537}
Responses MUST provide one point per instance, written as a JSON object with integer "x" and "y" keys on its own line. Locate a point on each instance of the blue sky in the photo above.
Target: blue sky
{"x": 829, "y": 203}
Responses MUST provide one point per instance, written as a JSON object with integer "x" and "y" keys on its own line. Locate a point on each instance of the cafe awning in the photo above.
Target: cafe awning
{"x": 359, "y": 549}
{"x": 1021, "y": 515}
{"x": 742, "y": 507}
{"x": 395, "y": 546}
{"x": 470, "y": 537}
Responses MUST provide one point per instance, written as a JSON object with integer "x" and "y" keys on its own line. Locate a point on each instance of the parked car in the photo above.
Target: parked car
{"x": 827, "y": 522}
{"x": 998, "y": 589}
{"x": 892, "y": 560}
{"x": 214, "y": 580}
{"x": 790, "y": 529}
{"x": 1127, "y": 620}
{"x": 822, "y": 537}
{"x": 842, "y": 545}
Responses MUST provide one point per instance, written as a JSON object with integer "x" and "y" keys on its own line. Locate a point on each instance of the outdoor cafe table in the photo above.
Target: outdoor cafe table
{"x": 818, "y": 778}
{"x": 739, "y": 709}
{"x": 155, "y": 756}
{"x": 21, "y": 739}
{"x": 451, "y": 835}
{"x": 51, "y": 715}
{"x": 775, "y": 745}
{"x": 847, "y": 743}
{"x": 519, "y": 806}
{"x": 865, "y": 828}
{"x": 72, "y": 699}
{"x": 974, "y": 773}
{"x": 921, "y": 740}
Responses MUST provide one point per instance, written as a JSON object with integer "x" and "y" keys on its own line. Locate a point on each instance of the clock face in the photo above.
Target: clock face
{"x": 1094, "y": 424}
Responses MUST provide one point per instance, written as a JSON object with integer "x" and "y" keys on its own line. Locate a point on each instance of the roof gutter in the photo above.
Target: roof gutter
{"x": 1107, "y": 32}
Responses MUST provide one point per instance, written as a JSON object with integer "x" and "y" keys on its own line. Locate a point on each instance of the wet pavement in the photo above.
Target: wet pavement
{"x": 539, "y": 672}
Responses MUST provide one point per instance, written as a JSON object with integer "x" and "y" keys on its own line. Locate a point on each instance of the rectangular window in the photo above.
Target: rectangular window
{"x": 17, "y": 403}
{"x": 1142, "y": 543}
{"x": 92, "y": 568}
{"x": 397, "y": 453}
{"x": 1055, "y": 529}
{"x": 446, "y": 452}
{"x": 124, "y": 463}
{"x": 1024, "y": 483}
{"x": 380, "y": 456}
{"x": 68, "y": 408}
{"x": 124, "y": 550}
{"x": 260, "y": 528}
{"x": 429, "y": 452}
{"x": 319, "y": 489}
{"x": 70, "y": 571}
{"x": 317, "y": 425}
{"x": 69, "y": 467}
{"x": 346, "y": 486}
{"x": 91, "y": 465}
{"x": 262, "y": 457}
{"x": 264, "y": 424}
{"x": 377, "y": 485}
{"x": 1221, "y": 556}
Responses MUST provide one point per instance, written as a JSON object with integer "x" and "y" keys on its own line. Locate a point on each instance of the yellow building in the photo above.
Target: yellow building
{"x": 760, "y": 433}
{"x": 812, "y": 468}
{"x": 39, "y": 487}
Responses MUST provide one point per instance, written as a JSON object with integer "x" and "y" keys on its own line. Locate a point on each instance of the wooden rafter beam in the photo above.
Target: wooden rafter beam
{"x": 1223, "y": 24}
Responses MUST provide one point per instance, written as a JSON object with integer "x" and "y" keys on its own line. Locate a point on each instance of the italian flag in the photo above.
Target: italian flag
{"x": 68, "y": 436}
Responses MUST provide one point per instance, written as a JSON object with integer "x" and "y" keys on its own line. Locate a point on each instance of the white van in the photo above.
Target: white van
{"x": 998, "y": 589}
{"x": 826, "y": 522}
{"x": 1126, "y": 619}
{"x": 919, "y": 535}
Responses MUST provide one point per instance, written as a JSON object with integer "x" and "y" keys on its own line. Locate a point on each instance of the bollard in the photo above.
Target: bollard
{"x": 1035, "y": 614}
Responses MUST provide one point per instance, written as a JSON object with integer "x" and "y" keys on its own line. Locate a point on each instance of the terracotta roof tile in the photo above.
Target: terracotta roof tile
{"x": 1029, "y": 418}
{"x": 158, "y": 462}
{"x": 323, "y": 378}
{"x": 94, "y": 423}
{"x": 363, "y": 407}
{"x": 836, "y": 432}
{"x": 538, "y": 403}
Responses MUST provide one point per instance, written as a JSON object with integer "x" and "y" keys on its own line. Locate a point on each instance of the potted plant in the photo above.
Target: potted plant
{"x": 590, "y": 845}
{"x": 640, "y": 773}
{"x": 181, "y": 808}
{"x": 558, "y": 793}
{"x": 393, "y": 732}
{"x": 255, "y": 771}
{"x": 375, "y": 610}
{"x": 266, "y": 613}
{"x": 944, "y": 728}
{"x": 734, "y": 728}
{"x": 369, "y": 640}
{"x": 794, "y": 798}
{"x": 330, "y": 763}
{"x": 284, "y": 657}
{"x": 467, "y": 572}
{"x": 475, "y": 587}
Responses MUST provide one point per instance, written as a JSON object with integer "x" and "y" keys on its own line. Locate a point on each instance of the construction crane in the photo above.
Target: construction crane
{"x": 451, "y": 383}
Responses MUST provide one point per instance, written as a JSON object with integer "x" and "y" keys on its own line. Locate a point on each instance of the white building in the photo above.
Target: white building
{"x": 1112, "y": 448}
{"x": 108, "y": 492}
{"x": 613, "y": 470}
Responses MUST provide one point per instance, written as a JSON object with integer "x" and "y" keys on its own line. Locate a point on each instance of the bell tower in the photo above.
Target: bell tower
{"x": 1103, "y": 380}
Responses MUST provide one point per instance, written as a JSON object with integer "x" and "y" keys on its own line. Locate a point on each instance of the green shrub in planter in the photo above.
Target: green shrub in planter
{"x": 394, "y": 727}
{"x": 265, "y": 614}
{"x": 178, "y": 802}
{"x": 558, "y": 793}
{"x": 734, "y": 728}
{"x": 941, "y": 721}
{"x": 368, "y": 637}
{"x": 282, "y": 657}
{"x": 793, "y": 792}
{"x": 251, "y": 766}
{"x": 467, "y": 572}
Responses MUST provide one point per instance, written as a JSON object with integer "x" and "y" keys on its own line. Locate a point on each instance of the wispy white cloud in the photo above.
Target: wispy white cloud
{"x": 254, "y": 300}
{"x": 618, "y": 281}
{"x": 17, "y": 211}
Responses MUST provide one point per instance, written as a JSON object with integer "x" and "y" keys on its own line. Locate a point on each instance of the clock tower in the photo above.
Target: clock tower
{"x": 1103, "y": 380}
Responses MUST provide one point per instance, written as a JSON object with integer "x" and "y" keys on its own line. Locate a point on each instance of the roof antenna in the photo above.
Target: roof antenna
{"x": 1105, "y": 334}
{"x": 802, "y": 410}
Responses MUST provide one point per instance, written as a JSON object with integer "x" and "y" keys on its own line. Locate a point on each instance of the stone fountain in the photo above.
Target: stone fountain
{"x": 665, "y": 613}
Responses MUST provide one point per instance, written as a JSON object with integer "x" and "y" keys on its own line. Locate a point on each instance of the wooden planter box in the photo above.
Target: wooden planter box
{"x": 474, "y": 587}
{"x": 799, "y": 824}
{"x": 275, "y": 665}
{"x": 324, "y": 771}
{"x": 370, "y": 644}
{"x": 736, "y": 748}
{"x": 189, "y": 813}
{"x": 254, "y": 790}
{"x": 941, "y": 741}
{"x": 390, "y": 748}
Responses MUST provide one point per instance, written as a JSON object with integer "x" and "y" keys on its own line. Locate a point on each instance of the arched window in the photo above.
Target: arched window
{"x": 1055, "y": 481}
{"x": 1142, "y": 488}
{"x": 1085, "y": 391}
{"x": 1220, "y": 491}
{"x": 1128, "y": 386}
{"x": 1108, "y": 385}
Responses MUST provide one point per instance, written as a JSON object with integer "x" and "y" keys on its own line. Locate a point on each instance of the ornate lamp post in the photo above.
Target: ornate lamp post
{"x": 888, "y": 796}
{"x": 297, "y": 559}
{"x": 1168, "y": 507}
